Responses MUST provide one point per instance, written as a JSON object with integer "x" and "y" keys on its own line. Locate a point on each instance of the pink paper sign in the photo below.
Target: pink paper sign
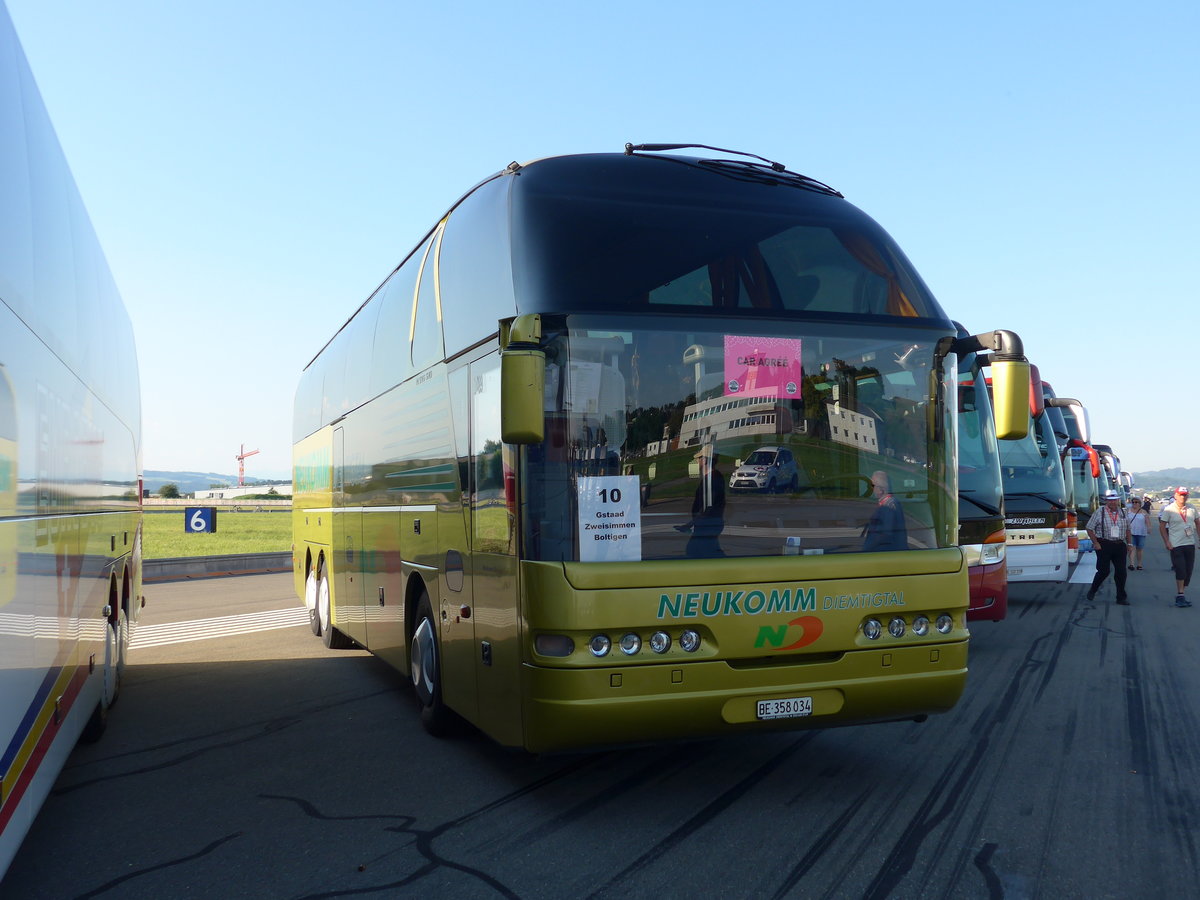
{"x": 762, "y": 366}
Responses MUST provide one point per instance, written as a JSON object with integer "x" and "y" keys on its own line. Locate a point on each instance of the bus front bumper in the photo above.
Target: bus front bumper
{"x": 594, "y": 707}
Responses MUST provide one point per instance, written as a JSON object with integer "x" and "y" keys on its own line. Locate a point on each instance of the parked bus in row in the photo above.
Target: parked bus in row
{"x": 512, "y": 462}
{"x": 1062, "y": 436}
{"x": 70, "y": 464}
{"x": 1110, "y": 472}
{"x": 981, "y": 532}
{"x": 1035, "y": 497}
{"x": 1082, "y": 465}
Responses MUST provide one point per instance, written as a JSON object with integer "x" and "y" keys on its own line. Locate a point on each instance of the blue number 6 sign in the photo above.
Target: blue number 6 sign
{"x": 200, "y": 519}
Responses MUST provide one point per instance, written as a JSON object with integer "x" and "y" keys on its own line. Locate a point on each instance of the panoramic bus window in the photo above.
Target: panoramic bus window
{"x": 426, "y": 325}
{"x": 664, "y": 442}
{"x": 475, "y": 267}
{"x": 390, "y": 362}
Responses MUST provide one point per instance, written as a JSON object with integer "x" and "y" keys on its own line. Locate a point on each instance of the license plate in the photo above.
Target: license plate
{"x": 785, "y": 709}
{"x": 1014, "y": 571}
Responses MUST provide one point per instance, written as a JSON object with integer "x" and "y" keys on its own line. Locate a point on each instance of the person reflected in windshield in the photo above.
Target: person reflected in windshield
{"x": 708, "y": 509}
{"x": 885, "y": 530}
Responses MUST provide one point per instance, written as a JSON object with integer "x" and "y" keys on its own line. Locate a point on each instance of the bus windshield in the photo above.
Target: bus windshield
{"x": 739, "y": 441}
{"x": 1032, "y": 469}
{"x": 1086, "y": 488}
{"x": 979, "y": 488}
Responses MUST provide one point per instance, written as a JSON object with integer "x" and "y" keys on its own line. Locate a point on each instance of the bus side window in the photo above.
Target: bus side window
{"x": 475, "y": 267}
{"x": 389, "y": 359}
{"x": 427, "y": 346}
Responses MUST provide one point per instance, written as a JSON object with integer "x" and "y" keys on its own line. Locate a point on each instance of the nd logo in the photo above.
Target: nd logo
{"x": 810, "y": 629}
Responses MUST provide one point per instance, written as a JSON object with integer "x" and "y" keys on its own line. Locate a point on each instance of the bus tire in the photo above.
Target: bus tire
{"x": 333, "y": 638}
{"x": 111, "y": 684}
{"x": 310, "y": 601}
{"x": 426, "y": 672}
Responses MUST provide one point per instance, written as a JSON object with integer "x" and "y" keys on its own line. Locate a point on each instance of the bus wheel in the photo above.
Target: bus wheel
{"x": 310, "y": 601}
{"x": 121, "y": 629}
{"x": 111, "y": 675}
{"x": 426, "y": 672}
{"x": 333, "y": 638}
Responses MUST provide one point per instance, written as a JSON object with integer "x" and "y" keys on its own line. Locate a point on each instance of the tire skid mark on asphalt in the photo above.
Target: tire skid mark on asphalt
{"x": 1179, "y": 812}
{"x": 199, "y": 854}
{"x": 1081, "y": 609}
{"x": 603, "y": 794}
{"x": 1135, "y": 707}
{"x": 821, "y": 845}
{"x": 223, "y": 626}
{"x": 704, "y": 816}
{"x": 948, "y": 798}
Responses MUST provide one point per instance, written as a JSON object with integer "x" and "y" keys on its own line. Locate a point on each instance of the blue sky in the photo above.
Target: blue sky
{"x": 255, "y": 169}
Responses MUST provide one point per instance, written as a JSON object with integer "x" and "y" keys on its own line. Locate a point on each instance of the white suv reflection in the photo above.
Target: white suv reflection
{"x": 767, "y": 469}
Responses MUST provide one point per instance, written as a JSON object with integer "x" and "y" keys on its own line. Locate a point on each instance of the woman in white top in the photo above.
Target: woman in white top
{"x": 1139, "y": 526}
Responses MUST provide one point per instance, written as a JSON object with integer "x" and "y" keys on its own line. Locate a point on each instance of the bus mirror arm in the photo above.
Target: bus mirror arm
{"x": 1011, "y": 394}
{"x": 1002, "y": 344}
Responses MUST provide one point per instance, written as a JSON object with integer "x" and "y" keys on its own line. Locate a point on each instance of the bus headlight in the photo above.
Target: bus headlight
{"x": 631, "y": 644}
{"x": 600, "y": 645}
{"x": 689, "y": 641}
{"x": 896, "y": 627}
{"x": 992, "y": 554}
{"x": 660, "y": 642}
{"x": 921, "y": 626}
{"x": 872, "y": 629}
{"x": 944, "y": 624}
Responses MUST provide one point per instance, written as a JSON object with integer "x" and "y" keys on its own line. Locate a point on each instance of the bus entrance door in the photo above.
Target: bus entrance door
{"x": 493, "y": 568}
{"x": 347, "y": 540}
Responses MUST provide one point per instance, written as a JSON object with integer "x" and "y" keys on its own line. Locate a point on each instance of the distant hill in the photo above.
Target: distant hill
{"x": 189, "y": 482}
{"x": 1166, "y": 478}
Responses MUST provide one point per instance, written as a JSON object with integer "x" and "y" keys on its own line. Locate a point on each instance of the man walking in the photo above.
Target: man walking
{"x": 1109, "y": 531}
{"x": 1177, "y": 526}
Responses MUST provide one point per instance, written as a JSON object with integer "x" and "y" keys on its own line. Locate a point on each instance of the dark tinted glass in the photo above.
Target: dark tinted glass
{"x": 475, "y": 267}
{"x": 594, "y": 233}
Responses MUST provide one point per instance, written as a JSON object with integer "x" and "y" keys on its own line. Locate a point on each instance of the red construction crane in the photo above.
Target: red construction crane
{"x": 241, "y": 457}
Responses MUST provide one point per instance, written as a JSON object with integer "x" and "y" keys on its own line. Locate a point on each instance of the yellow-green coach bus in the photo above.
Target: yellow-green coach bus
{"x": 642, "y": 446}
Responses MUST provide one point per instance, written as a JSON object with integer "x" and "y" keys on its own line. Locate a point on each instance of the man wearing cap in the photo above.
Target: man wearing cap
{"x": 1109, "y": 531}
{"x": 1177, "y": 525}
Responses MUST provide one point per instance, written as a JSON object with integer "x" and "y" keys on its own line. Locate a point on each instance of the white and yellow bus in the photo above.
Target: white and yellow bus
{"x": 70, "y": 434}
{"x": 526, "y": 467}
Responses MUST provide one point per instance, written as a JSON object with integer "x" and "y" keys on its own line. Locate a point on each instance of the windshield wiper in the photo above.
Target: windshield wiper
{"x": 986, "y": 507}
{"x": 1039, "y": 495}
{"x": 765, "y": 172}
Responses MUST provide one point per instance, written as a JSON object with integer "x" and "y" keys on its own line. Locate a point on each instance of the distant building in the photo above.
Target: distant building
{"x": 232, "y": 493}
